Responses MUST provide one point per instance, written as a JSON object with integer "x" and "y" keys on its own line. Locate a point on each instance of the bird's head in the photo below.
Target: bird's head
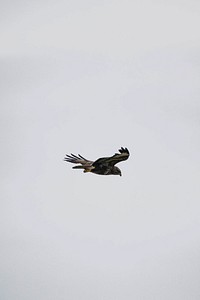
{"x": 117, "y": 171}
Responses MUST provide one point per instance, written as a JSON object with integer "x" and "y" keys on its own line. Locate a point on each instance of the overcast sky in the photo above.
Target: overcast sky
{"x": 89, "y": 77}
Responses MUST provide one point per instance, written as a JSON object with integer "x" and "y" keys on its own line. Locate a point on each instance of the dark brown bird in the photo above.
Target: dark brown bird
{"x": 101, "y": 166}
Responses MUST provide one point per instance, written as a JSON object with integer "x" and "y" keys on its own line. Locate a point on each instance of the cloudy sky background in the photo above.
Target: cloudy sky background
{"x": 89, "y": 77}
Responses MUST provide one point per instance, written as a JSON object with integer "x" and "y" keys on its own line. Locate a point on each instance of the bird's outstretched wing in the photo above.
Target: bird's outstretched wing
{"x": 84, "y": 163}
{"x": 116, "y": 158}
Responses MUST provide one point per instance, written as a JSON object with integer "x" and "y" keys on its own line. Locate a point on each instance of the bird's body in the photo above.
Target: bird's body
{"x": 101, "y": 166}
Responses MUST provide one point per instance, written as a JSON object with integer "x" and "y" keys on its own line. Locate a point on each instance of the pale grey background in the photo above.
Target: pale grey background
{"x": 89, "y": 77}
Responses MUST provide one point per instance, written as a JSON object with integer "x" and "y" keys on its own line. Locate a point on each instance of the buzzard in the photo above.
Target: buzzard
{"x": 101, "y": 166}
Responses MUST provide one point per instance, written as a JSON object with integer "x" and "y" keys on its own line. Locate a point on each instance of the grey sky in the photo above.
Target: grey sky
{"x": 89, "y": 77}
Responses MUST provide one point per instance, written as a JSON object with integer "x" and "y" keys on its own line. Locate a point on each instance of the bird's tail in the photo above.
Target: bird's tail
{"x": 86, "y": 169}
{"x": 78, "y": 167}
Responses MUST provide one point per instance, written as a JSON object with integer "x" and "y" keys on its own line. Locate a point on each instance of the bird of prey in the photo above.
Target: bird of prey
{"x": 101, "y": 166}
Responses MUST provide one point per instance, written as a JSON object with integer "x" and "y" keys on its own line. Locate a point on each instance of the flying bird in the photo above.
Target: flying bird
{"x": 101, "y": 166}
